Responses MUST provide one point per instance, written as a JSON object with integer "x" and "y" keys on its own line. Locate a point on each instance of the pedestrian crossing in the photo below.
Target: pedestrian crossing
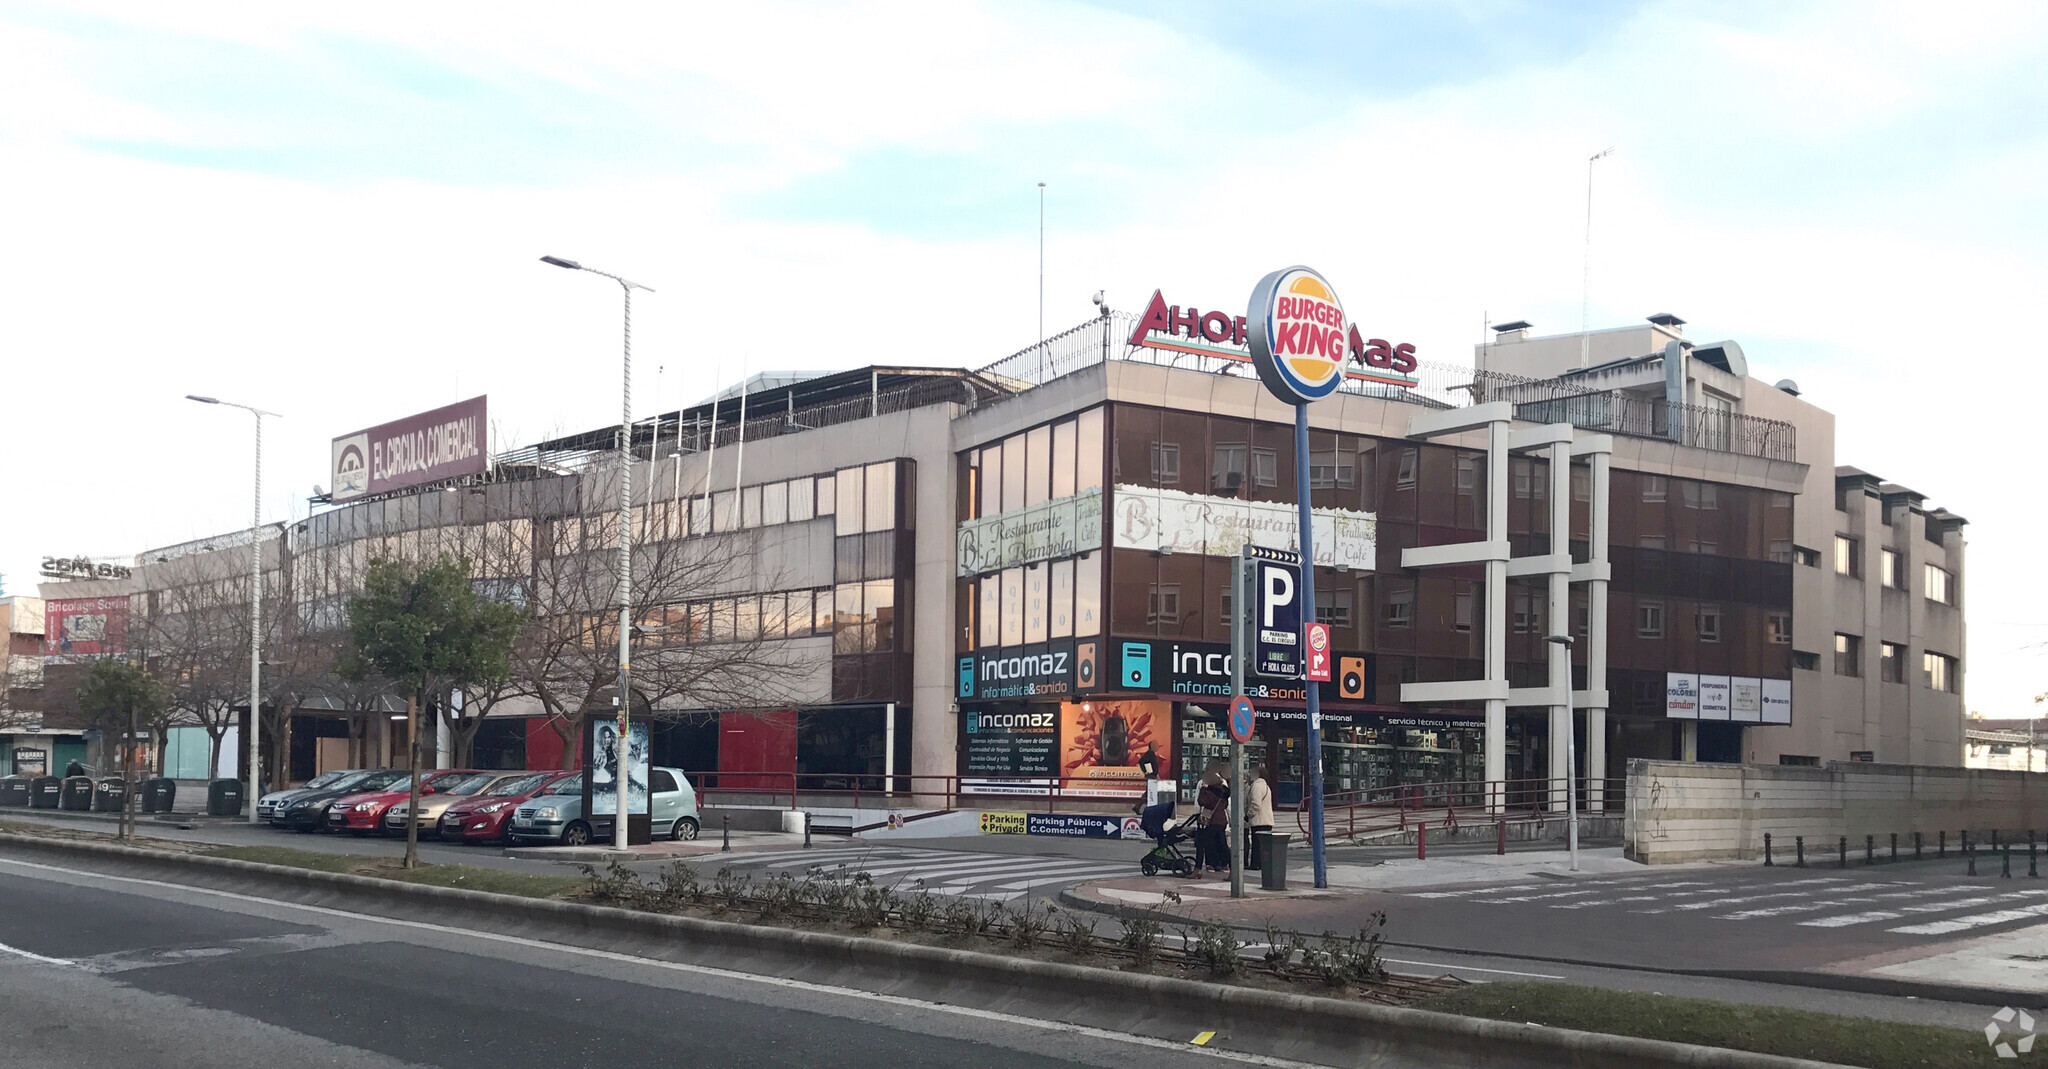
{"x": 1897, "y": 907}
{"x": 964, "y": 874}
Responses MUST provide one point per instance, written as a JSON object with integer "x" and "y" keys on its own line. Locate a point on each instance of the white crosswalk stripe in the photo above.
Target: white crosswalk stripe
{"x": 1825, "y": 902}
{"x": 995, "y": 877}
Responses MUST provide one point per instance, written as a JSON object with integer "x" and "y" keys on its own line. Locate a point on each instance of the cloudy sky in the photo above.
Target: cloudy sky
{"x": 334, "y": 212}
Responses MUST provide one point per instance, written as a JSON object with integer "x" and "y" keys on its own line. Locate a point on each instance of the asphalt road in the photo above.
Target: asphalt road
{"x": 102, "y": 971}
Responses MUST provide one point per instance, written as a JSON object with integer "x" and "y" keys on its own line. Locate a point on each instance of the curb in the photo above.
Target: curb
{"x": 180, "y": 821}
{"x": 1291, "y": 1025}
{"x": 1826, "y": 981}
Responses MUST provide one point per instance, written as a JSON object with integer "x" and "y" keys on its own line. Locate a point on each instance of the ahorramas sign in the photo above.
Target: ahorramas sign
{"x": 1191, "y": 330}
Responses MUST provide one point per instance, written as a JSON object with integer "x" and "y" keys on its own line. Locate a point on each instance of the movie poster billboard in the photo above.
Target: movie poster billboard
{"x": 84, "y": 628}
{"x": 1101, "y": 743}
{"x": 447, "y": 442}
{"x": 604, "y": 765}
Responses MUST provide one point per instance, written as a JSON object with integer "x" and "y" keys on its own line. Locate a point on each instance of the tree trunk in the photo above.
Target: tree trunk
{"x": 412, "y": 816}
{"x": 213, "y": 740}
{"x": 281, "y": 743}
{"x": 567, "y": 732}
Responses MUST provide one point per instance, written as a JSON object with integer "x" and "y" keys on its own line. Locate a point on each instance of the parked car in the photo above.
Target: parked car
{"x": 557, "y": 817}
{"x": 482, "y": 818}
{"x": 363, "y": 812}
{"x": 445, "y": 794}
{"x": 307, "y": 811}
{"x": 266, "y": 806}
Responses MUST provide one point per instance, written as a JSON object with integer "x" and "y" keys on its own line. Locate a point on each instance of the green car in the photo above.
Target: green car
{"x": 557, "y": 817}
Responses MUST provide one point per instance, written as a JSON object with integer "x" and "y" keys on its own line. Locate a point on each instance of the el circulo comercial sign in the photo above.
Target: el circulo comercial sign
{"x": 1298, "y": 335}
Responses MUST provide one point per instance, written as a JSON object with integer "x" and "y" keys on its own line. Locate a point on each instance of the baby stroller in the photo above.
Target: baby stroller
{"x": 1166, "y": 834}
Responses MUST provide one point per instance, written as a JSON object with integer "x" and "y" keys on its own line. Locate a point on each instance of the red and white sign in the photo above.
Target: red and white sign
{"x": 1319, "y": 653}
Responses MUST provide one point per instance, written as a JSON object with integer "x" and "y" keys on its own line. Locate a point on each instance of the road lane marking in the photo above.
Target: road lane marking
{"x": 1977, "y": 920}
{"x": 1104, "y": 1034}
{"x": 1843, "y": 920}
{"x": 32, "y": 956}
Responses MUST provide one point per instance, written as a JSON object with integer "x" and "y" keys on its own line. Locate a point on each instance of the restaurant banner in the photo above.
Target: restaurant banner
{"x": 1047, "y": 531}
{"x": 1158, "y": 520}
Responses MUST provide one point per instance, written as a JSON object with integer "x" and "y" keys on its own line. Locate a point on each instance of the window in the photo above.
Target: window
{"x": 1038, "y": 465}
{"x": 746, "y": 619}
{"x": 774, "y": 504}
{"x": 1706, "y": 548}
{"x": 1891, "y": 662}
{"x": 1015, "y": 472}
{"x": 723, "y": 503}
{"x": 1781, "y": 551}
{"x": 1848, "y": 655}
{"x": 1891, "y": 569}
{"x": 1528, "y": 612}
{"x": 1524, "y": 477}
{"x": 1461, "y": 612}
{"x": 1940, "y": 584}
{"x": 1228, "y": 474}
{"x": 1037, "y": 588}
{"x": 1333, "y": 607}
{"x": 990, "y": 610}
{"x": 750, "y": 506}
{"x": 1798, "y": 759}
{"x": 991, "y": 481}
{"x": 1805, "y": 556}
{"x": 1088, "y": 451}
{"x": 1655, "y": 488}
{"x": 1848, "y": 557}
{"x": 1939, "y": 670}
{"x": 821, "y": 610}
{"x": 1330, "y": 468}
{"x": 852, "y": 495}
{"x": 1265, "y": 468}
{"x": 1706, "y": 622}
{"x": 827, "y": 486}
{"x": 1649, "y": 619}
{"x": 1166, "y": 463}
{"x": 1162, "y": 604}
{"x": 1582, "y": 483}
{"x": 1404, "y": 472}
{"x": 1088, "y": 595}
{"x": 1651, "y": 542}
{"x": 1061, "y": 612}
{"x": 1806, "y": 662}
{"x": 802, "y": 501}
{"x": 1778, "y": 628}
{"x": 1063, "y": 459}
{"x": 880, "y": 612}
{"x": 1467, "y": 473}
{"x": 1701, "y": 495}
{"x": 1400, "y": 607}
{"x": 1013, "y": 606}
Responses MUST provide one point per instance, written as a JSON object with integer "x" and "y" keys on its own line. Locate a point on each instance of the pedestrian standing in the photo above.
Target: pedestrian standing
{"x": 1213, "y": 801}
{"x": 1258, "y": 816}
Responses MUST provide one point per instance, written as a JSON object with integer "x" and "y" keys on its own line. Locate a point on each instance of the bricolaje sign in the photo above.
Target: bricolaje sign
{"x": 1042, "y": 670}
{"x": 1019, "y": 742}
{"x": 1169, "y": 667}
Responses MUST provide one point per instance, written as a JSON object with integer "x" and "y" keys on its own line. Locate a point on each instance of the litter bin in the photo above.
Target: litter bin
{"x": 14, "y": 791}
{"x": 1273, "y": 855}
{"x": 158, "y": 794}
{"x": 108, "y": 794}
{"x": 77, "y": 794}
{"x": 44, "y": 792}
{"x": 224, "y": 798}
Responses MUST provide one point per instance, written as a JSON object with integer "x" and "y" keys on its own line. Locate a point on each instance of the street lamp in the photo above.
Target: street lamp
{"x": 255, "y": 601}
{"x": 1571, "y": 756}
{"x": 622, "y": 777}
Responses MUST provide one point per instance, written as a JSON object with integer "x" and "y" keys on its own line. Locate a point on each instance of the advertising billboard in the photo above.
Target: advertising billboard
{"x": 447, "y": 442}
{"x": 1101, "y": 742}
{"x": 1158, "y": 520}
{"x": 1007, "y": 742}
{"x": 84, "y": 628}
{"x": 604, "y": 764}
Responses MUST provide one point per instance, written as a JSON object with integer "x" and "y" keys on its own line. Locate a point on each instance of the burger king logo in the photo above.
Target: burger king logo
{"x": 1298, "y": 336}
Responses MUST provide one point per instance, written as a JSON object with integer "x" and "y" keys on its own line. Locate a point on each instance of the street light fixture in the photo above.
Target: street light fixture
{"x": 622, "y": 776}
{"x": 255, "y": 602}
{"x": 1571, "y": 759}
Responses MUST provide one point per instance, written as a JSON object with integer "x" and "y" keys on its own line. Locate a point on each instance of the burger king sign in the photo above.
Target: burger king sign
{"x": 1298, "y": 335}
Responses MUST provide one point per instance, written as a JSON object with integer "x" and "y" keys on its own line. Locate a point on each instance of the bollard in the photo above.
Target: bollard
{"x": 1970, "y": 852}
{"x": 2033, "y": 869}
{"x": 1421, "y": 841}
{"x": 1767, "y": 849}
{"x": 725, "y": 836}
{"x": 1869, "y": 849}
{"x": 1916, "y": 846}
{"x": 2005, "y": 860}
{"x": 1500, "y": 832}
{"x": 807, "y": 829}
{"x": 1799, "y": 841}
{"x": 1842, "y": 845}
{"x": 1895, "y": 846}
{"x": 1943, "y": 852}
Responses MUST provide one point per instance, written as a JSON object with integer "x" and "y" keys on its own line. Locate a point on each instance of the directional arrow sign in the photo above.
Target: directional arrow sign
{"x": 1242, "y": 717}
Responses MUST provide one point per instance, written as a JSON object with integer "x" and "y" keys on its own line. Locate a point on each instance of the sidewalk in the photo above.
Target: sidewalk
{"x": 660, "y": 849}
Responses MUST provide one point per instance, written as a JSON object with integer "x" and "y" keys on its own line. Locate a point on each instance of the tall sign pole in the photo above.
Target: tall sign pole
{"x": 1238, "y": 607}
{"x": 1299, "y": 337}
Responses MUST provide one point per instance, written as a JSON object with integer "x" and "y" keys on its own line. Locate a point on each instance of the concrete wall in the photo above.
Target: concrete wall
{"x": 1694, "y": 812}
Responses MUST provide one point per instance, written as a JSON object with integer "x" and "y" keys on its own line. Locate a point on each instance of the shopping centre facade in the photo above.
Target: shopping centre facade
{"x": 1013, "y": 581}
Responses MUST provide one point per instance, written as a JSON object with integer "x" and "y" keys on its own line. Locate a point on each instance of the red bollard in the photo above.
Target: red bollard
{"x": 1500, "y": 845}
{"x": 1421, "y": 841}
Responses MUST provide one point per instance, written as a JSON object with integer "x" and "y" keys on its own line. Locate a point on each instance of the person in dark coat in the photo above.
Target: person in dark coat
{"x": 1213, "y": 802}
{"x": 74, "y": 768}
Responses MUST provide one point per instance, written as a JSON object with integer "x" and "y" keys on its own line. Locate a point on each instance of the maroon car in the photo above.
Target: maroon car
{"x": 482, "y": 819}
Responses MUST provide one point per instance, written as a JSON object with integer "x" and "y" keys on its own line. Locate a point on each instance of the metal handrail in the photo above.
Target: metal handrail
{"x": 1396, "y": 807}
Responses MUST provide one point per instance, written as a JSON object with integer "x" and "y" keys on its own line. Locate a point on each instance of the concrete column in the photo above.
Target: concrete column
{"x": 1557, "y": 621}
{"x": 1497, "y": 615}
{"x": 1596, "y": 633}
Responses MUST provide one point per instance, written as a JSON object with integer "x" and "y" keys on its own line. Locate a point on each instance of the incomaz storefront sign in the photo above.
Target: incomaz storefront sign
{"x": 1039, "y": 670}
{"x": 443, "y": 444}
{"x": 1220, "y": 334}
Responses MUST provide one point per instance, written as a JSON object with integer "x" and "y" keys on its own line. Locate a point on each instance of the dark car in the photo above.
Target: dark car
{"x": 308, "y": 811}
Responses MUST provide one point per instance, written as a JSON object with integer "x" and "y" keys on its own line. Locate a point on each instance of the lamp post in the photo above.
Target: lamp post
{"x": 255, "y": 602}
{"x": 1571, "y": 753}
{"x": 622, "y": 776}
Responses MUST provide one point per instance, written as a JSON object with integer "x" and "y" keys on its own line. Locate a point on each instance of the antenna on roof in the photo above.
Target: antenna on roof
{"x": 1586, "y": 277}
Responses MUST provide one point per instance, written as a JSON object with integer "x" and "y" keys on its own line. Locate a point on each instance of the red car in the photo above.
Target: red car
{"x": 361, "y": 814}
{"x": 482, "y": 819}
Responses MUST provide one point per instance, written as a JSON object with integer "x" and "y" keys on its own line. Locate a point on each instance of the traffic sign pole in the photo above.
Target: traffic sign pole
{"x": 1240, "y": 604}
{"x": 1308, "y": 615}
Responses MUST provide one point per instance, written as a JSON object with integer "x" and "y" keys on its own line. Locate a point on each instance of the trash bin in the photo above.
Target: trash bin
{"x": 108, "y": 794}
{"x": 158, "y": 795}
{"x": 224, "y": 798}
{"x": 14, "y": 791}
{"x": 44, "y": 792}
{"x": 76, "y": 794}
{"x": 1273, "y": 855}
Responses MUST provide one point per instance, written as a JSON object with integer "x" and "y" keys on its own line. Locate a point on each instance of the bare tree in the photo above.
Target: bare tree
{"x": 195, "y": 633}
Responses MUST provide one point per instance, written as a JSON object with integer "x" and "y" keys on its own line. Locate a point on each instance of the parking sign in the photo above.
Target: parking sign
{"x": 1275, "y": 600}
